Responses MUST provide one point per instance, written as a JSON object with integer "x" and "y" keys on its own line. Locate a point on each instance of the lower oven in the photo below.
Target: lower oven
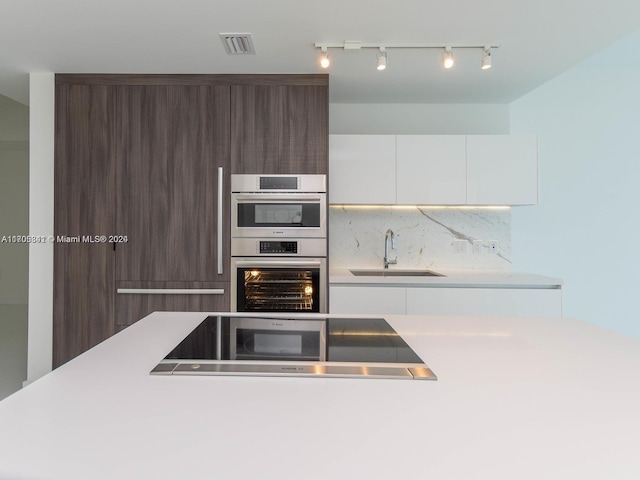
{"x": 279, "y": 284}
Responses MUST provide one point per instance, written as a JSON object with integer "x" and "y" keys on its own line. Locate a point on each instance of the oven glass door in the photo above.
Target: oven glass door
{"x": 286, "y": 288}
{"x": 288, "y": 215}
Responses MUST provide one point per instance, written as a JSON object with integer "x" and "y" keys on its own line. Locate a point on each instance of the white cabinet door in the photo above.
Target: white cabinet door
{"x": 502, "y": 170}
{"x": 431, "y": 169}
{"x": 367, "y": 300}
{"x": 497, "y": 302}
{"x": 362, "y": 169}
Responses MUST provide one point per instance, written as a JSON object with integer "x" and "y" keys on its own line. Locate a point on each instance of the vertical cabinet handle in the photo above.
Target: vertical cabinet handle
{"x": 219, "y": 230}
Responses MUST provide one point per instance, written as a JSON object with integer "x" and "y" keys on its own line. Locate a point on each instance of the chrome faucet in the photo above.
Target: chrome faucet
{"x": 389, "y": 236}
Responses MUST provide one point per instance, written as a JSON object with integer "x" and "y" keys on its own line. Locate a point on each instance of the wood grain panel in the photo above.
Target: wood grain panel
{"x": 305, "y": 131}
{"x": 172, "y": 141}
{"x": 141, "y": 179}
{"x": 279, "y": 129}
{"x": 256, "y": 121}
{"x": 131, "y": 307}
{"x": 84, "y": 186}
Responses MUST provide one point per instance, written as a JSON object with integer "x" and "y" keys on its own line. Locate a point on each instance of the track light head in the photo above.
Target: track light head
{"x": 324, "y": 58}
{"x": 447, "y": 58}
{"x": 486, "y": 59}
{"x": 382, "y": 59}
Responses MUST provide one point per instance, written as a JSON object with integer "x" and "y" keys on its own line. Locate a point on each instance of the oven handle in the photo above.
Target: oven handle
{"x": 277, "y": 263}
{"x": 219, "y": 231}
{"x": 293, "y": 197}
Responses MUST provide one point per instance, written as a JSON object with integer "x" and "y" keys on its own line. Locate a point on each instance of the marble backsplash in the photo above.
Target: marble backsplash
{"x": 426, "y": 237}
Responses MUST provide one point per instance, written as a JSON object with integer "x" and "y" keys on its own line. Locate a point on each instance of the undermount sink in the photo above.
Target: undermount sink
{"x": 395, "y": 273}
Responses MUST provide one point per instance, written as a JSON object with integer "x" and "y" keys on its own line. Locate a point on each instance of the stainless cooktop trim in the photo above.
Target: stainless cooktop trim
{"x": 291, "y": 369}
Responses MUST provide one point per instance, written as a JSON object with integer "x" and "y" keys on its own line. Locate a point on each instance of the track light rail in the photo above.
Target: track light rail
{"x": 447, "y": 57}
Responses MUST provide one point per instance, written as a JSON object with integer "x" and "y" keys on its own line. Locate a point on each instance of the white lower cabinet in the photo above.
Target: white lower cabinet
{"x": 367, "y": 300}
{"x": 498, "y": 302}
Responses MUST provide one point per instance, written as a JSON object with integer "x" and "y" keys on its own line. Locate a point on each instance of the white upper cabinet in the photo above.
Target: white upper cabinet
{"x": 502, "y": 170}
{"x": 362, "y": 169}
{"x": 431, "y": 169}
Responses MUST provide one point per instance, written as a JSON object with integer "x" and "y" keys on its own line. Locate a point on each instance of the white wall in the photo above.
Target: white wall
{"x": 586, "y": 229}
{"x": 14, "y": 220}
{"x": 13, "y": 348}
{"x": 414, "y": 119}
{"x": 14, "y": 120}
{"x": 14, "y": 199}
{"x": 41, "y": 131}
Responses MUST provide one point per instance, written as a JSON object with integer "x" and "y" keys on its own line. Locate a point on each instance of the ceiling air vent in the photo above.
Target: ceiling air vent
{"x": 238, "y": 43}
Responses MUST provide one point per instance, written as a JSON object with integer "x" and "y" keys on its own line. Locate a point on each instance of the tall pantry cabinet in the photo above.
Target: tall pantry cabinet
{"x": 139, "y": 160}
{"x": 84, "y": 205}
{"x": 173, "y": 143}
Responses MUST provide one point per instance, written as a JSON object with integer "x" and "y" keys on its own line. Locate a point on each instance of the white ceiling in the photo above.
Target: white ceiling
{"x": 538, "y": 40}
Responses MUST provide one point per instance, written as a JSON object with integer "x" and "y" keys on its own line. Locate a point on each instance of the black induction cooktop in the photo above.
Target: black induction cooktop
{"x": 316, "y": 346}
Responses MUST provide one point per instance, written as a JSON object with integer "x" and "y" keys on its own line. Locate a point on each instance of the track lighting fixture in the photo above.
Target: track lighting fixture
{"x": 381, "y": 58}
{"x": 486, "y": 59}
{"x": 447, "y": 58}
{"x": 324, "y": 58}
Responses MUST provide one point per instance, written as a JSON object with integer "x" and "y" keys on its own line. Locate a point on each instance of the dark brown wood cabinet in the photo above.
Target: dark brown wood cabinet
{"x": 173, "y": 152}
{"x": 280, "y": 128}
{"x": 138, "y": 156}
{"x": 132, "y": 306}
{"x": 84, "y": 183}
{"x": 173, "y": 142}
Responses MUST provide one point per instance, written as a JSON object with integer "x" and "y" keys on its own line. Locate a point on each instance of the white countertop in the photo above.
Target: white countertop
{"x": 452, "y": 278}
{"x": 516, "y": 398}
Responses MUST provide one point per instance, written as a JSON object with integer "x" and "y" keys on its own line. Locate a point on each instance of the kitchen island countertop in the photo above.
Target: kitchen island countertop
{"x": 524, "y": 398}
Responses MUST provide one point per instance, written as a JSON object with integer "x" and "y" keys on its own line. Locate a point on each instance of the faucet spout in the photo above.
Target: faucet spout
{"x": 389, "y": 237}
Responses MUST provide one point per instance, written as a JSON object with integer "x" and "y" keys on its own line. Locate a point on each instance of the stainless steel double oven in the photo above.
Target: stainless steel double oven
{"x": 279, "y": 243}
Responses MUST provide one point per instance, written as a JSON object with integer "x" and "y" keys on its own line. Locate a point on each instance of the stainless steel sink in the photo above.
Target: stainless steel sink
{"x": 395, "y": 273}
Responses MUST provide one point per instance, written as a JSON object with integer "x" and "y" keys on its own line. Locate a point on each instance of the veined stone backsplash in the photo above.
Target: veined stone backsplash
{"x": 425, "y": 236}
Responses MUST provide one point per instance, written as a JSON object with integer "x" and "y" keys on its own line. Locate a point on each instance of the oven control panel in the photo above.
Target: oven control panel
{"x": 272, "y": 246}
{"x": 249, "y": 183}
{"x": 279, "y": 183}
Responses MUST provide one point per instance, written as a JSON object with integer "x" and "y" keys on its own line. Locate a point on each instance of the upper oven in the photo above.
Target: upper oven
{"x": 284, "y": 206}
